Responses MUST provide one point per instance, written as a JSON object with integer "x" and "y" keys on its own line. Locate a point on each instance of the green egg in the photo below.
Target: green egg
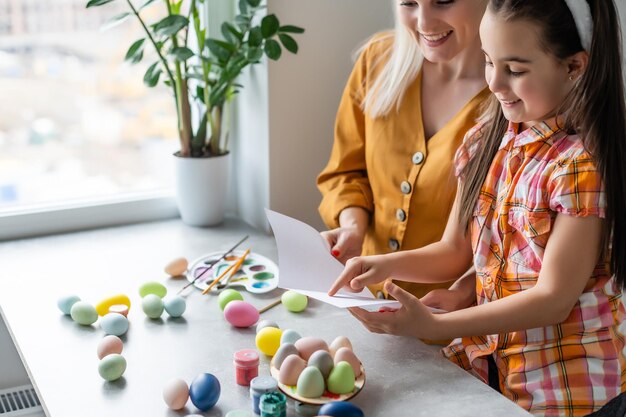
{"x": 341, "y": 379}
{"x": 310, "y": 383}
{"x": 112, "y": 367}
{"x": 294, "y": 302}
{"x": 153, "y": 287}
{"x": 227, "y": 296}
{"x": 152, "y": 305}
{"x": 83, "y": 313}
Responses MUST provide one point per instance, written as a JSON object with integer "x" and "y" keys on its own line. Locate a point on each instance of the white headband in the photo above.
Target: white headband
{"x": 584, "y": 23}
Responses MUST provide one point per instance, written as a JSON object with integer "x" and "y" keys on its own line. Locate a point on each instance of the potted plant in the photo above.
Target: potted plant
{"x": 201, "y": 72}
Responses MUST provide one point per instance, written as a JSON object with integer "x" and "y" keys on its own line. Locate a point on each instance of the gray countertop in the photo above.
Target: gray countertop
{"x": 404, "y": 376}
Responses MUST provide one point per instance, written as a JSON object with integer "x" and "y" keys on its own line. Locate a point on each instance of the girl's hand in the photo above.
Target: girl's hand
{"x": 345, "y": 242}
{"x": 362, "y": 271}
{"x": 460, "y": 295}
{"x": 412, "y": 319}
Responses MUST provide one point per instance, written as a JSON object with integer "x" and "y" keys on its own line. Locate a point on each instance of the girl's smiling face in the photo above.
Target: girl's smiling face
{"x": 529, "y": 82}
{"x": 443, "y": 28}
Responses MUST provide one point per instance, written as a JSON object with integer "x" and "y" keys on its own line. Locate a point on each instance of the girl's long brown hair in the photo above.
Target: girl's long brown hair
{"x": 595, "y": 109}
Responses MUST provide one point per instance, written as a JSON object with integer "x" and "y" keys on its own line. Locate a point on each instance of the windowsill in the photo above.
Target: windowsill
{"x": 82, "y": 215}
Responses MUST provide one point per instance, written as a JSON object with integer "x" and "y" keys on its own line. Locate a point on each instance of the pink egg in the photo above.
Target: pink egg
{"x": 346, "y": 355}
{"x": 307, "y": 345}
{"x": 241, "y": 314}
{"x": 109, "y": 344}
{"x": 176, "y": 394}
{"x": 291, "y": 369}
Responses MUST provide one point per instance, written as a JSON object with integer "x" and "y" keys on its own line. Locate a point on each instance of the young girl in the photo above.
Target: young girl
{"x": 540, "y": 211}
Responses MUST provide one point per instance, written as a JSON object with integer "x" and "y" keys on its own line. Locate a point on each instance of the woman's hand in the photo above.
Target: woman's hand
{"x": 345, "y": 242}
{"x": 412, "y": 319}
{"x": 361, "y": 272}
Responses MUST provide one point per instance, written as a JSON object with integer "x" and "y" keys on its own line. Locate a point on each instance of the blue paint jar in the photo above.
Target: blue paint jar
{"x": 259, "y": 386}
{"x": 273, "y": 404}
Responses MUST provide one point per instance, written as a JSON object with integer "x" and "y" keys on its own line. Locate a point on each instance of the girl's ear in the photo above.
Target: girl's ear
{"x": 577, "y": 65}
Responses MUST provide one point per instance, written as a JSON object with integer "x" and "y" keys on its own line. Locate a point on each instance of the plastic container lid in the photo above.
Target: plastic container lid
{"x": 273, "y": 403}
{"x": 263, "y": 384}
{"x": 246, "y": 357}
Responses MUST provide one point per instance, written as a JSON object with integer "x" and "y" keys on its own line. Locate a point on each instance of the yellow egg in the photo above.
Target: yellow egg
{"x": 268, "y": 340}
{"x": 177, "y": 267}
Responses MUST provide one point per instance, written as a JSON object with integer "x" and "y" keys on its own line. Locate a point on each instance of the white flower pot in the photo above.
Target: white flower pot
{"x": 201, "y": 189}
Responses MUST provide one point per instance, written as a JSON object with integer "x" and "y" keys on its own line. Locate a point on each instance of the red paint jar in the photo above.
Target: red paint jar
{"x": 246, "y": 366}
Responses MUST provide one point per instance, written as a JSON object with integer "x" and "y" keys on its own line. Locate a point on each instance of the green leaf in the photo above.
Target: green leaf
{"x": 176, "y": 6}
{"x": 217, "y": 49}
{"x": 151, "y": 78}
{"x": 135, "y": 49}
{"x": 116, "y": 20}
{"x": 272, "y": 49}
{"x": 200, "y": 135}
{"x": 200, "y": 93}
{"x": 289, "y": 43}
{"x": 291, "y": 29}
{"x": 181, "y": 53}
{"x": 170, "y": 25}
{"x": 269, "y": 26}
{"x": 254, "y": 3}
{"x": 242, "y": 21}
{"x": 231, "y": 34}
{"x": 146, "y": 4}
{"x": 243, "y": 6}
{"x": 256, "y": 37}
{"x": 94, "y": 3}
{"x": 255, "y": 54}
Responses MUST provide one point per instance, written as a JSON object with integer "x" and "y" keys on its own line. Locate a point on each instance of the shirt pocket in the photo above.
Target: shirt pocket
{"x": 530, "y": 232}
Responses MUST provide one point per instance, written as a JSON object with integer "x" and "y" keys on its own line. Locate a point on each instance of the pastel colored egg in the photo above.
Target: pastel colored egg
{"x": 119, "y": 309}
{"x": 322, "y": 361}
{"x": 310, "y": 383}
{"x": 176, "y": 267}
{"x": 176, "y": 394}
{"x": 289, "y": 336}
{"x": 108, "y": 345}
{"x": 268, "y": 340}
{"x": 66, "y": 302}
{"x": 241, "y": 314}
{"x": 339, "y": 342}
{"x": 283, "y": 351}
{"x": 346, "y": 355}
{"x": 83, "y": 313}
{"x": 291, "y": 369}
{"x": 112, "y": 367}
{"x": 204, "y": 391}
{"x": 293, "y": 301}
{"x": 227, "y": 296}
{"x": 152, "y": 305}
{"x": 266, "y": 323}
{"x": 307, "y": 345}
{"x": 153, "y": 287}
{"x": 341, "y": 409}
{"x": 114, "y": 324}
{"x": 341, "y": 379}
{"x": 175, "y": 305}
{"x": 103, "y": 306}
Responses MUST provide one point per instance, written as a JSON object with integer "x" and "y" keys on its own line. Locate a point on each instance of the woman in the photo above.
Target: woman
{"x": 411, "y": 97}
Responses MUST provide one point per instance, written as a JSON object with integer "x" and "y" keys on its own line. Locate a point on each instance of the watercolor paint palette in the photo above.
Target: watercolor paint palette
{"x": 291, "y": 391}
{"x": 257, "y": 275}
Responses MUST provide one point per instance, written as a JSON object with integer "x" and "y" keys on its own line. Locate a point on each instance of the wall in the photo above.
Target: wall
{"x": 284, "y": 139}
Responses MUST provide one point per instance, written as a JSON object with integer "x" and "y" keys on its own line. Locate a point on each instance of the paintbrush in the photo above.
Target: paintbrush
{"x": 212, "y": 264}
{"x": 232, "y": 269}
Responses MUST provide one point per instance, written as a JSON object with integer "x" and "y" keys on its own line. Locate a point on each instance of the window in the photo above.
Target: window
{"x": 77, "y": 123}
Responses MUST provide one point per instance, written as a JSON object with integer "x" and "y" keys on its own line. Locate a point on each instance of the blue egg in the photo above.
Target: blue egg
{"x": 65, "y": 303}
{"x": 204, "y": 391}
{"x": 175, "y": 305}
{"x": 289, "y": 336}
{"x": 114, "y": 323}
{"x": 340, "y": 409}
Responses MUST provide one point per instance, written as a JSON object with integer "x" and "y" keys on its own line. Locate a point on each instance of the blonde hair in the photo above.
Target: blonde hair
{"x": 399, "y": 71}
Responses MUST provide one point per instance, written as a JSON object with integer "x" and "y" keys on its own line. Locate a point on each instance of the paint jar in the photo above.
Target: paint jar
{"x": 259, "y": 386}
{"x": 306, "y": 410}
{"x": 273, "y": 404}
{"x": 246, "y": 366}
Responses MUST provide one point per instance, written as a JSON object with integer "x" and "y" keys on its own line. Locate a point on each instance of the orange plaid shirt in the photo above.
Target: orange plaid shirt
{"x": 571, "y": 368}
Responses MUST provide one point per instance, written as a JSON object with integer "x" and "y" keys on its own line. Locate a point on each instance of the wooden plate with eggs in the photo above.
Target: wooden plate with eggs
{"x": 326, "y": 397}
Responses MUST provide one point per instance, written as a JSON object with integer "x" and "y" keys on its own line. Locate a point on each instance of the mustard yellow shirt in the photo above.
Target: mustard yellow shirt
{"x": 387, "y": 166}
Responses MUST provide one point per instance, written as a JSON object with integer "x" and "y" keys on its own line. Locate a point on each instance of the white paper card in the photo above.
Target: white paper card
{"x": 306, "y": 265}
